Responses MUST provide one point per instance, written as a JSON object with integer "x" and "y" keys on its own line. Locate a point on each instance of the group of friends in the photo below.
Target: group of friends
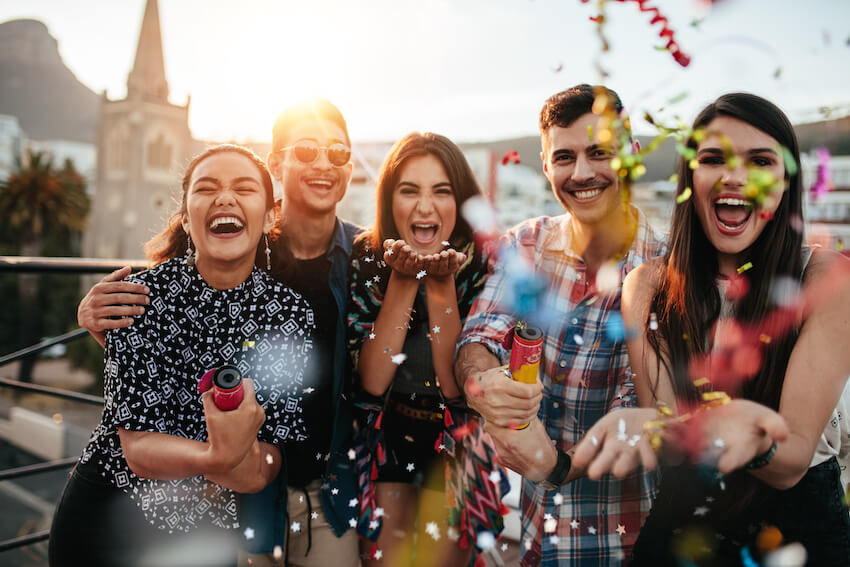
{"x": 678, "y": 409}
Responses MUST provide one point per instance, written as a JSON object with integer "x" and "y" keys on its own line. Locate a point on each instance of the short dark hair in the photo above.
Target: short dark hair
{"x": 564, "y": 108}
{"x": 316, "y": 109}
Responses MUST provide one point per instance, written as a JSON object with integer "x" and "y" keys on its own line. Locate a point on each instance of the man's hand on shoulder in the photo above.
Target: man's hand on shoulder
{"x": 111, "y": 304}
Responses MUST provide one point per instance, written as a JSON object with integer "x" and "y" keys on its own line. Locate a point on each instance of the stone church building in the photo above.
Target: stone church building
{"x": 143, "y": 143}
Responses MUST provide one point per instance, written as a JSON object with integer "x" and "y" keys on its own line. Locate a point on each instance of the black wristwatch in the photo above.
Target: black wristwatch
{"x": 559, "y": 474}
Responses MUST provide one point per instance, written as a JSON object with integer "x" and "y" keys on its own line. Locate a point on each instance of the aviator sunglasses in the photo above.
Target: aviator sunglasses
{"x": 307, "y": 151}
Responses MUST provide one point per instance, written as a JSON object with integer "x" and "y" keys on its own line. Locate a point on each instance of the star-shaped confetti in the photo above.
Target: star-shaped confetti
{"x": 379, "y": 512}
{"x": 352, "y": 503}
{"x": 436, "y": 329}
{"x": 700, "y": 511}
{"x": 249, "y": 533}
{"x": 410, "y": 467}
{"x": 621, "y": 529}
{"x": 558, "y": 499}
{"x": 371, "y": 336}
{"x": 378, "y": 554}
{"x": 574, "y": 524}
{"x": 352, "y": 454}
{"x": 373, "y": 525}
{"x": 550, "y": 525}
{"x": 591, "y": 530}
{"x": 421, "y": 274}
{"x": 553, "y": 539}
{"x": 504, "y": 547}
{"x": 352, "y": 522}
{"x": 314, "y": 515}
{"x": 295, "y": 527}
{"x": 495, "y": 477}
{"x": 269, "y": 459}
{"x": 449, "y": 310}
{"x": 309, "y": 390}
{"x": 334, "y": 491}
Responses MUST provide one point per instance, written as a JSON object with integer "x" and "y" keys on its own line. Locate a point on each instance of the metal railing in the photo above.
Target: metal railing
{"x": 27, "y": 264}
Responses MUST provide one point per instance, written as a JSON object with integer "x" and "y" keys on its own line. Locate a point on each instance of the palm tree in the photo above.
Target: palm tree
{"x": 35, "y": 201}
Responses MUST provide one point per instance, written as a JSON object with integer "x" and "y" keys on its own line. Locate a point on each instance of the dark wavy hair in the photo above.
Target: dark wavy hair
{"x": 172, "y": 241}
{"x": 687, "y": 304}
{"x": 457, "y": 169}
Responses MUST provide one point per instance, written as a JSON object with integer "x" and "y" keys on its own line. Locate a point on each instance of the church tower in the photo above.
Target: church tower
{"x": 143, "y": 143}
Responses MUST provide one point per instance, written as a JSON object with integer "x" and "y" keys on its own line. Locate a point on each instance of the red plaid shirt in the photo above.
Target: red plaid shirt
{"x": 585, "y": 374}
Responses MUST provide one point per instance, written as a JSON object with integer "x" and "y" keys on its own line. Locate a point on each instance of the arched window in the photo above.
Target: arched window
{"x": 159, "y": 153}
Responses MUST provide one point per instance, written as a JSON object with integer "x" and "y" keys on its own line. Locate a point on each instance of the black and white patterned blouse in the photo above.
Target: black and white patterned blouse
{"x": 152, "y": 370}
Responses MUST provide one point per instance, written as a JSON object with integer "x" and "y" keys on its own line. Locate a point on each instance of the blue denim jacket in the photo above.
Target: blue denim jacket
{"x": 265, "y": 512}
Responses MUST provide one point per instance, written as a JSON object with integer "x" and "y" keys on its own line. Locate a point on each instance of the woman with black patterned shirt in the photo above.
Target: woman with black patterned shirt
{"x": 157, "y": 483}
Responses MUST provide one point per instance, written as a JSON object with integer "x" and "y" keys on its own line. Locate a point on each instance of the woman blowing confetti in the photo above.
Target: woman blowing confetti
{"x": 414, "y": 277}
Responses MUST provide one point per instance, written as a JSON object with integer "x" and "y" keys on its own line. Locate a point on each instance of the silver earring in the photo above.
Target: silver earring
{"x": 268, "y": 253}
{"x": 190, "y": 254}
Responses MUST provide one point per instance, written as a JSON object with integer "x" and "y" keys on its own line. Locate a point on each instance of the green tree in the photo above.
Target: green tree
{"x": 45, "y": 210}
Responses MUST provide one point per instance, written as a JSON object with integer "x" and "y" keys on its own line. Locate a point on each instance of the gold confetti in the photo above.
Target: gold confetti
{"x": 745, "y": 267}
{"x": 684, "y": 195}
{"x": 247, "y": 344}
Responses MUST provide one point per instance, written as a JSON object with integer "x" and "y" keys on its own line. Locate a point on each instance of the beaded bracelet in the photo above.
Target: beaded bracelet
{"x": 762, "y": 460}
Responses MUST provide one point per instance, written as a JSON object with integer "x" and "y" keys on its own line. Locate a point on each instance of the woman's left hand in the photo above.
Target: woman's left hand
{"x": 739, "y": 431}
{"x": 443, "y": 264}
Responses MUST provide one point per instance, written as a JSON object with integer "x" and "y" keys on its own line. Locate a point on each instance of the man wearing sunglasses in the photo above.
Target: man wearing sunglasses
{"x": 309, "y": 507}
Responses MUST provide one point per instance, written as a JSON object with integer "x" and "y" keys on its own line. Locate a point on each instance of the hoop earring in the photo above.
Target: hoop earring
{"x": 190, "y": 254}
{"x": 268, "y": 253}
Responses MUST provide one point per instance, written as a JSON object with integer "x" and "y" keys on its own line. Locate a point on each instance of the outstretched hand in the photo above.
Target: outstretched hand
{"x": 617, "y": 444}
{"x": 443, "y": 264}
{"x": 402, "y": 258}
{"x": 741, "y": 430}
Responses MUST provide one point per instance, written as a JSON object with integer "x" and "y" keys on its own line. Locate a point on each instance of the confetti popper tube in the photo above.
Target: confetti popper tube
{"x": 226, "y": 382}
{"x": 525, "y": 356}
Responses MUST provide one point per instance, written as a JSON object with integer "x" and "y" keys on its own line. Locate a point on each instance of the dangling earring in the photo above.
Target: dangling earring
{"x": 268, "y": 253}
{"x": 190, "y": 254}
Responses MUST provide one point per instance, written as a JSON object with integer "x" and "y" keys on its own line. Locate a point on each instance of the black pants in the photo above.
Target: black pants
{"x": 98, "y": 525}
{"x": 812, "y": 513}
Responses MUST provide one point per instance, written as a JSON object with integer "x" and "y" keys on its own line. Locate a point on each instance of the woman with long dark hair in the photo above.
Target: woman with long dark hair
{"x": 414, "y": 277}
{"x": 740, "y": 307}
{"x": 157, "y": 483}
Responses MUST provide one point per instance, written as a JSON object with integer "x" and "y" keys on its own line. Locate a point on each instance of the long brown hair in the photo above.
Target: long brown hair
{"x": 457, "y": 169}
{"x": 172, "y": 241}
{"x": 688, "y": 303}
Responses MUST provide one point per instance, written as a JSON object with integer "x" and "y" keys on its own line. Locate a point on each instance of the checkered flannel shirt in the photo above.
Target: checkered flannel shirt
{"x": 585, "y": 374}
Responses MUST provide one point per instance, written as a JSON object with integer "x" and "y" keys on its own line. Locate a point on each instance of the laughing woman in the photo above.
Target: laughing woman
{"x": 157, "y": 483}
{"x": 749, "y": 335}
{"x": 414, "y": 277}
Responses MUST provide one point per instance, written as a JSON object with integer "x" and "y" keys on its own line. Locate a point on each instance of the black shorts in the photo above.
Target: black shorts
{"x": 411, "y": 455}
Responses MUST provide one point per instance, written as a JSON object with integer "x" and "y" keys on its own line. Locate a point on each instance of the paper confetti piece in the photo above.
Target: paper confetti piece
{"x": 683, "y": 196}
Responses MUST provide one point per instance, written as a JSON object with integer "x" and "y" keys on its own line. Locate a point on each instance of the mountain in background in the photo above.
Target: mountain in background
{"x": 49, "y": 102}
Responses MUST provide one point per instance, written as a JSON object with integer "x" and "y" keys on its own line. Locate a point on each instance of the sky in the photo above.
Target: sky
{"x": 470, "y": 69}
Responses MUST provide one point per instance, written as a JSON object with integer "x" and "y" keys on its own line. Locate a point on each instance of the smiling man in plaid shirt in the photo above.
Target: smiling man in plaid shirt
{"x": 567, "y": 518}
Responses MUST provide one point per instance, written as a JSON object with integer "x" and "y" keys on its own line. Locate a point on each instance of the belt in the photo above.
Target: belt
{"x": 415, "y": 413}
